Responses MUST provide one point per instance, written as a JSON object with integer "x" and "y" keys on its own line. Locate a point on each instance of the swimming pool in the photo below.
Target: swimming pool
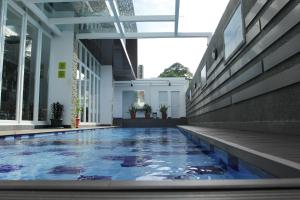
{"x": 118, "y": 154}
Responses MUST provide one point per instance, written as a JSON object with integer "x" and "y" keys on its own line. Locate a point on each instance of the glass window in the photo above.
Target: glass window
{"x": 44, "y": 81}
{"x": 99, "y": 86}
{"x": 88, "y": 60}
{"x": 234, "y": 33}
{"x": 203, "y": 76}
{"x": 29, "y": 72}
{"x": 12, "y": 33}
{"x": 87, "y": 94}
{"x": 82, "y": 54}
{"x": 92, "y": 98}
{"x": 82, "y": 78}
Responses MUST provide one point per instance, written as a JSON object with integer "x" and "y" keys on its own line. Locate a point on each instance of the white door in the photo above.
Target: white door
{"x": 175, "y": 106}
{"x": 162, "y": 99}
{"x": 128, "y": 100}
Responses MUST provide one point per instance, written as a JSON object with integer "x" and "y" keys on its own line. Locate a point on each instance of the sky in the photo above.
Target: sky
{"x": 194, "y": 16}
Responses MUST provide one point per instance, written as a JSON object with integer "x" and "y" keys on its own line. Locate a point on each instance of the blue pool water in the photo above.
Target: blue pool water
{"x": 117, "y": 154}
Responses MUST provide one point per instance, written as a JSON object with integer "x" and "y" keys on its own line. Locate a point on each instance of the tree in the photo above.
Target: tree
{"x": 177, "y": 70}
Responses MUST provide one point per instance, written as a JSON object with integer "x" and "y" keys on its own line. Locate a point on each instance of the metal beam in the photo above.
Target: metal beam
{"x": 112, "y": 5}
{"x": 177, "y": 7}
{"x": 31, "y": 6}
{"x": 81, "y": 20}
{"x": 110, "y": 19}
{"x": 142, "y": 35}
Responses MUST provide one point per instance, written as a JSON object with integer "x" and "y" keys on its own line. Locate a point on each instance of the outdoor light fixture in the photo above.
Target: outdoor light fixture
{"x": 214, "y": 54}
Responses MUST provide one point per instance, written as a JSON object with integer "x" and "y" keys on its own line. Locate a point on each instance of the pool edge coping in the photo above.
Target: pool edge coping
{"x": 149, "y": 185}
{"x": 15, "y": 133}
{"x": 250, "y": 155}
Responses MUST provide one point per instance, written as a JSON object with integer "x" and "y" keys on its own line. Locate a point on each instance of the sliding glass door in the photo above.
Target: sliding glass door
{"x": 11, "y": 51}
{"x": 29, "y": 72}
{"x": 88, "y": 85}
{"x": 24, "y": 66}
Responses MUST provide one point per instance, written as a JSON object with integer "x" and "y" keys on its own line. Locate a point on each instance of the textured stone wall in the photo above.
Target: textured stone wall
{"x": 74, "y": 83}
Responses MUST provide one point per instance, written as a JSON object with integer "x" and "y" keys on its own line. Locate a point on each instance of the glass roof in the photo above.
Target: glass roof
{"x": 148, "y": 27}
{"x": 120, "y": 17}
{"x": 96, "y": 28}
{"x": 145, "y": 7}
{"x": 74, "y": 9}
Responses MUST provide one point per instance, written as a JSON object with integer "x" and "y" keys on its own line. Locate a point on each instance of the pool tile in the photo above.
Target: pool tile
{"x": 66, "y": 170}
{"x": 68, "y": 153}
{"x": 136, "y": 161}
{"x": 96, "y": 177}
{"x": 55, "y": 150}
{"x": 26, "y": 153}
{"x": 10, "y": 168}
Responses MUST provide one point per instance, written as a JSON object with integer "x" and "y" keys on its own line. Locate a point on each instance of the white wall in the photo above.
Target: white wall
{"x": 151, "y": 88}
{"x": 106, "y": 94}
{"x": 61, "y": 89}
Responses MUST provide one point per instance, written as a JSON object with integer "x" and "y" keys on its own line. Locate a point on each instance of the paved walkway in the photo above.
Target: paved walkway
{"x": 47, "y": 130}
{"x": 286, "y": 146}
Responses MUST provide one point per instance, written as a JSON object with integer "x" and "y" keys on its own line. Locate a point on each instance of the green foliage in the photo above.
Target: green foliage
{"x": 177, "y": 70}
{"x": 78, "y": 107}
{"x": 57, "y": 110}
{"x": 147, "y": 108}
{"x": 132, "y": 109}
{"x": 163, "y": 108}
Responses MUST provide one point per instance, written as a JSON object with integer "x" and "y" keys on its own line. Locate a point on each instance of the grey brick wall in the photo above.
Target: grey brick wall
{"x": 258, "y": 87}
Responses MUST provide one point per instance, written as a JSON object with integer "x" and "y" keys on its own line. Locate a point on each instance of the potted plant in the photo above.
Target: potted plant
{"x": 163, "y": 109}
{"x": 132, "y": 111}
{"x": 147, "y": 109}
{"x": 57, "y": 111}
{"x": 78, "y": 109}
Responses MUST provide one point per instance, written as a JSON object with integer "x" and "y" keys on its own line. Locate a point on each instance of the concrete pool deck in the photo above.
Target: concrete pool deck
{"x": 281, "y": 145}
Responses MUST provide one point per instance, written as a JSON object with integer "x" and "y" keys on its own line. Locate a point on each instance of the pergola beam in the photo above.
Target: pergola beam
{"x": 177, "y": 7}
{"x": 31, "y": 6}
{"x": 142, "y": 35}
{"x": 111, "y": 19}
{"x": 112, "y": 5}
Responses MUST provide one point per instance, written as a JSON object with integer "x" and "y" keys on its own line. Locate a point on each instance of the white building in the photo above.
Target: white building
{"x": 155, "y": 92}
{"x": 62, "y": 51}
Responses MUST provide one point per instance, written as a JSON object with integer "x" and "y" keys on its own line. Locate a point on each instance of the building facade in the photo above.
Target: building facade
{"x": 249, "y": 76}
{"x": 140, "y": 72}
{"x": 39, "y": 67}
{"x": 155, "y": 92}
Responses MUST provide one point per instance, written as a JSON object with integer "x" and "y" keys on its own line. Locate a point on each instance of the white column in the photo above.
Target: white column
{"x": 60, "y": 89}
{"x": 94, "y": 99}
{"x": 97, "y": 100}
{"x": 84, "y": 94}
{"x": 106, "y": 94}
{"x": 21, "y": 69}
{"x": 37, "y": 77}
{"x": 2, "y": 38}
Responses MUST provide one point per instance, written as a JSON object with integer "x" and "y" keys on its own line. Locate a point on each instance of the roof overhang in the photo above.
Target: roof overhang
{"x": 111, "y": 19}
